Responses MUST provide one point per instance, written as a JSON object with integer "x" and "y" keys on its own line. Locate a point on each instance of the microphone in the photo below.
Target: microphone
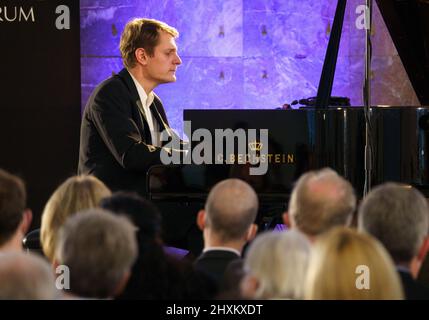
{"x": 333, "y": 101}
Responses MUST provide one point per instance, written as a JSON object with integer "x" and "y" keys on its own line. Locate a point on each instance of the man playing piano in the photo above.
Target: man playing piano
{"x": 122, "y": 121}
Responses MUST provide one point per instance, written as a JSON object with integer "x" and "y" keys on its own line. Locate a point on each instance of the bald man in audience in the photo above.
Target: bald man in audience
{"x": 25, "y": 276}
{"x": 15, "y": 219}
{"x": 320, "y": 200}
{"x": 398, "y": 216}
{"x": 227, "y": 222}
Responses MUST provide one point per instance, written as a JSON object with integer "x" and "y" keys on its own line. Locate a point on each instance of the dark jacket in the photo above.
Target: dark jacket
{"x": 115, "y": 137}
{"x": 214, "y": 263}
{"x": 412, "y": 289}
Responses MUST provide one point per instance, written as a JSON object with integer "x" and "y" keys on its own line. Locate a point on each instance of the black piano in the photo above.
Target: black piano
{"x": 315, "y": 137}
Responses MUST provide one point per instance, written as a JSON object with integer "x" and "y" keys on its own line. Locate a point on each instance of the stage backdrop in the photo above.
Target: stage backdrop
{"x": 246, "y": 54}
{"x": 40, "y": 93}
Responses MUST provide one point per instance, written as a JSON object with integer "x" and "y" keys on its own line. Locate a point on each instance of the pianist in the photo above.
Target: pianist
{"x": 123, "y": 118}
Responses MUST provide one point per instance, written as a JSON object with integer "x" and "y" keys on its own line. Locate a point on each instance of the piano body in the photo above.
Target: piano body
{"x": 312, "y": 138}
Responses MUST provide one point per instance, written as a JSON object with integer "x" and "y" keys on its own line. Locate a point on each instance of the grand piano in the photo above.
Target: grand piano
{"x": 320, "y": 136}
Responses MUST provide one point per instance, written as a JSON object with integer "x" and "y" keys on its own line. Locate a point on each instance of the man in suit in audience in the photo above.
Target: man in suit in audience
{"x": 15, "y": 219}
{"x": 227, "y": 222}
{"x": 398, "y": 216}
{"x": 320, "y": 200}
{"x": 99, "y": 249}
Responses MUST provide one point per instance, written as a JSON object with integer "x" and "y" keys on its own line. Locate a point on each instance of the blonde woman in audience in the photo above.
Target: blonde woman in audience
{"x": 347, "y": 265}
{"x": 276, "y": 266}
{"x": 75, "y": 194}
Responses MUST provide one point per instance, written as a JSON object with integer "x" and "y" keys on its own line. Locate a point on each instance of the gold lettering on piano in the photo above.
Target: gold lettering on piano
{"x": 271, "y": 158}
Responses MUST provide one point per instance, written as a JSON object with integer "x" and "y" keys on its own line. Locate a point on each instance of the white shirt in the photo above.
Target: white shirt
{"x": 147, "y": 100}
{"x": 222, "y": 249}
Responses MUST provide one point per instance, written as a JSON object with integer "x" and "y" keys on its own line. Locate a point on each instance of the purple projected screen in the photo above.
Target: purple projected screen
{"x": 245, "y": 54}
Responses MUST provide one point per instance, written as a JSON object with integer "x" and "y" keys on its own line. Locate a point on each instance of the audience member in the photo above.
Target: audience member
{"x": 347, "y": 265}
{"x": 227, "y": 222}
{"x": 276, "y": 266}
{"x": 74, "y": 195}
{"x": 143, "y": 213}
{"x": 423, "y": 276}
{"x": 15, "y": 219}
{"x": 230, "y": 285}
{"x": 99, "y": 249}
{"x": 398, "y": 216}
{"x": 155, "y": 274}
{"x": 24, "y": 276}
{"x": 320, "y": 200}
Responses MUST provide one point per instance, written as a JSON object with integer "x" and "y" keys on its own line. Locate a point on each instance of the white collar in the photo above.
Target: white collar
{"x": 146, "y": 99}
{"x": 222, "y": 249}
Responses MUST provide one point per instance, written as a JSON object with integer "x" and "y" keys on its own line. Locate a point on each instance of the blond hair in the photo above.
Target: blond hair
{"x": 336, "y": 265}
{"x": 142, "y": 33}
{"x": 75, "y": 194}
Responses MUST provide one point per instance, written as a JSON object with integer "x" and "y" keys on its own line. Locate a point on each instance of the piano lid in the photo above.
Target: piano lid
{"x": 408, "y": 25}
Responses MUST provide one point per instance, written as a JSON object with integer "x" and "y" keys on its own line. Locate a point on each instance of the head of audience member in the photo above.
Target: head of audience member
{"x": 15, "y": 219}
{"x": 398, "y": 216}
{"x": 149, "y": 51}
{"x": 99, "y": 248}
{"x": 145, "y": 215}
{"x": 276, "y": 266}
{"x": 347, "y": 265}
{"x": 155, "y": 274}
{"x": 25, "y": 276}
{"x": 320, "y": 200}
{"x": 74, "y": 195}
{"x": 229, "y": 214}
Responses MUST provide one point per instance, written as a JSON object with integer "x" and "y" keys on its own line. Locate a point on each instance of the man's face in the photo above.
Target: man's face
{"x": 161, "y": 67}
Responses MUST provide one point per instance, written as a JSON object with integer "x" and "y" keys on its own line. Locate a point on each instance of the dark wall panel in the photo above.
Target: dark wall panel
{"x": 40, "y": 93}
